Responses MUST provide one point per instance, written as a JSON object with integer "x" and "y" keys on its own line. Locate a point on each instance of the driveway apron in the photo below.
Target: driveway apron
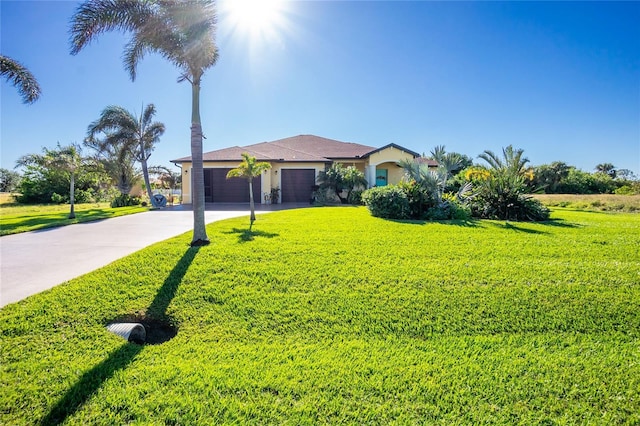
{"x": 32, "y": 262}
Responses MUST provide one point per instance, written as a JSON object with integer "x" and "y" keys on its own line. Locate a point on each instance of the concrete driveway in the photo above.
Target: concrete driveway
{"x": 32, "y": 262}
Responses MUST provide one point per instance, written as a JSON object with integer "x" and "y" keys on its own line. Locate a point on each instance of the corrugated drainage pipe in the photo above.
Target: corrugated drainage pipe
{"x": 130, "y": 331}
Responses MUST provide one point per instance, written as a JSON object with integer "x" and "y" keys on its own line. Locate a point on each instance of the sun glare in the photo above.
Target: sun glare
{"x": 259, "y": 19}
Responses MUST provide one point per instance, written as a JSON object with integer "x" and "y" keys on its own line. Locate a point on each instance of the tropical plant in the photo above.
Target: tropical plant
{"x": 430, "y": 182}
{"x": 66, "y": 159}
{"x": 338, "y": 178}
{"x": 135, "y": 134}
{"x": 117, "y": 161}
{"x": 248, "y": 169}
{"x": 183, "y": 32}
{"x": 21, "y": 78}
{"x": 502, "y": 192}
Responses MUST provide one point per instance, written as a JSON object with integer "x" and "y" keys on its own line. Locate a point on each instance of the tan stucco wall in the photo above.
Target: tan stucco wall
{"x": 390, "y": 154}
{"x": 394, "y": 172}
{"x": 186, "y": 183}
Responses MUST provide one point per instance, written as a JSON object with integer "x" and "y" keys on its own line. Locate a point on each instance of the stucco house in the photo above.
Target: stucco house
{"x": 295, "y": 164}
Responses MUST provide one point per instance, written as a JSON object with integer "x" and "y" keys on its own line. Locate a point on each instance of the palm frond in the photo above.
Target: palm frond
{"x": 21, "y": 78}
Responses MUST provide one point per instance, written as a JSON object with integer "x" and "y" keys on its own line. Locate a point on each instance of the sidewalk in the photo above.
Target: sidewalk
{"x": 32, "y": 262}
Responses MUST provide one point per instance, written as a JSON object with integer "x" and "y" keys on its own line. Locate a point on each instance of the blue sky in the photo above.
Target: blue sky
{"x": 559, "y": 79}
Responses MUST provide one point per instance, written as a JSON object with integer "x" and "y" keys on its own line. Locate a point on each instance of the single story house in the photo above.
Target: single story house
{"x": 295, "y": 164}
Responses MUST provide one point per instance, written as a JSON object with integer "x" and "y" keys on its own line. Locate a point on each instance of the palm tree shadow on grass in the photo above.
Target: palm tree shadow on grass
{"x": 93, "y": 379}
{"x": 246, "y": 235}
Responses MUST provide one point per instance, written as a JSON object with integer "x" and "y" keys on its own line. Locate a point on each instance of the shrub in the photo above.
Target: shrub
{"x": 125, "y": 200}
{"x": 389, "y": 202}
{"x": 355, "y": 197}
{"x": 57, "y": 198}
{"x": 629, "y": 189}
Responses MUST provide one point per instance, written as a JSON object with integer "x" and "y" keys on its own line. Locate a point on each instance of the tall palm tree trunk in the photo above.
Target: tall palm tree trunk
{"x": 72, "y": 190}
{"x": 197, "y": 172}
{"x": 145, "y": 174}
{"x": 252, "y": 218}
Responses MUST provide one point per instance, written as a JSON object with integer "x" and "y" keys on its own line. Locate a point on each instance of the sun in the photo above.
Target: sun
{"x": 259, "y": 19}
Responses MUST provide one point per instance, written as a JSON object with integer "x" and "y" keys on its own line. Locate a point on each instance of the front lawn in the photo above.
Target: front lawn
{"x": 16, "y": 218}
{"x": 328, "y": 315}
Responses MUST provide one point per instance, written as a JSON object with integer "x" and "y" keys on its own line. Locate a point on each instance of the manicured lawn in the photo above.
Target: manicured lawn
{"x": 328, "y": 315}
{"x": 15, "y": 218}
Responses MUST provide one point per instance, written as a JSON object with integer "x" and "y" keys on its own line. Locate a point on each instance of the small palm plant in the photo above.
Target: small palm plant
{"x": 248, "y": 169}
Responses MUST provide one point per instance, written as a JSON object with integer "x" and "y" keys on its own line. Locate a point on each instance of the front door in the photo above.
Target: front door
{"x": 381, "y": 177}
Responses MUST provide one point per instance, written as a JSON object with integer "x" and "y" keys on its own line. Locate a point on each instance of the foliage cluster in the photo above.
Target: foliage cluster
{"x": 125, "y": 200}
{"x": 337, "y": 179}
{"x": 43, "y": 177}
{"x": 560, "y": 178}
{"x": 444, "y": 323}
{"x": 388, "y": 202}
{"x": 9, "y": 180}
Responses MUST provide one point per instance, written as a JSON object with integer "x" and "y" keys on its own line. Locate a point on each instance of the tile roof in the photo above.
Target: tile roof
{"x": 297, "y": 148}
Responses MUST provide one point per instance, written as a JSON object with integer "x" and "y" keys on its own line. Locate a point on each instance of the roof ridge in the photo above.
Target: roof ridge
{"x": 297, "y": 150}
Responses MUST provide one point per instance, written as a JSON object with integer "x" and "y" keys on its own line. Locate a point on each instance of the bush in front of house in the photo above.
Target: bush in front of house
{"x": 408, "y": 200}
{"x": 388, "y": 202}
{"x": 125, "y": 200}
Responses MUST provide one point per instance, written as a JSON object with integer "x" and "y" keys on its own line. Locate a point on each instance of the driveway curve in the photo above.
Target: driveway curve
{"x": 36, "y": 261}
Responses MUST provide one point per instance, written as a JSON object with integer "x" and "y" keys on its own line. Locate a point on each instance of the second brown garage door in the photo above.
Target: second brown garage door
{"x": 296, "y": 185}
{"x": 219, "y": 189}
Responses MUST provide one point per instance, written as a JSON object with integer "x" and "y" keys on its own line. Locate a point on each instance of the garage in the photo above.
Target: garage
{"x": 296, "y": 185}
{"x": 219, "y": 189}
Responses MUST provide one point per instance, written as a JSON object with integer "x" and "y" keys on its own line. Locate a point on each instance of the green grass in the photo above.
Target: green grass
{"x": 328, "y": 316}
{"x": 592, "y": 202}
{"x": 16, "y": 218}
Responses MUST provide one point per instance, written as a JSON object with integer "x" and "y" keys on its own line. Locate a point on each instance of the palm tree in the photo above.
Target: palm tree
{"x": 139, "y": 135}
{"x": 20, "y": 77}
{"x": 512, "y": 163}
{"x": 117, "y": 161}
{"x": 183, "y": 32}
{"x": 607, "y": 168}
{"x": 67, "y": 159}
{"x": 248, "y": 169}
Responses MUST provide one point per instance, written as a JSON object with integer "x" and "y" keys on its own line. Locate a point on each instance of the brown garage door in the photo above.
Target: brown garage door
{"x": 219, "y": 189}
{"x": 296, "y": 185}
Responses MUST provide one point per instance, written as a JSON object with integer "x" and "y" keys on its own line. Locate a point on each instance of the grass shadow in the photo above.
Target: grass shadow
{"x": 246, "y": 235}
{"x": 92, "y": 380}
{"x": 511, "y": 226}
{"x": 467, "y": 223}
{"x": 560, "y": 223}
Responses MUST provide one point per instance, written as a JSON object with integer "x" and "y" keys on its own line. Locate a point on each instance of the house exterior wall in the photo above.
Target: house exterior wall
{"x": 270, "y": 178}
{"x": 186, "y": 183}
{"x": 387, "y": 159}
